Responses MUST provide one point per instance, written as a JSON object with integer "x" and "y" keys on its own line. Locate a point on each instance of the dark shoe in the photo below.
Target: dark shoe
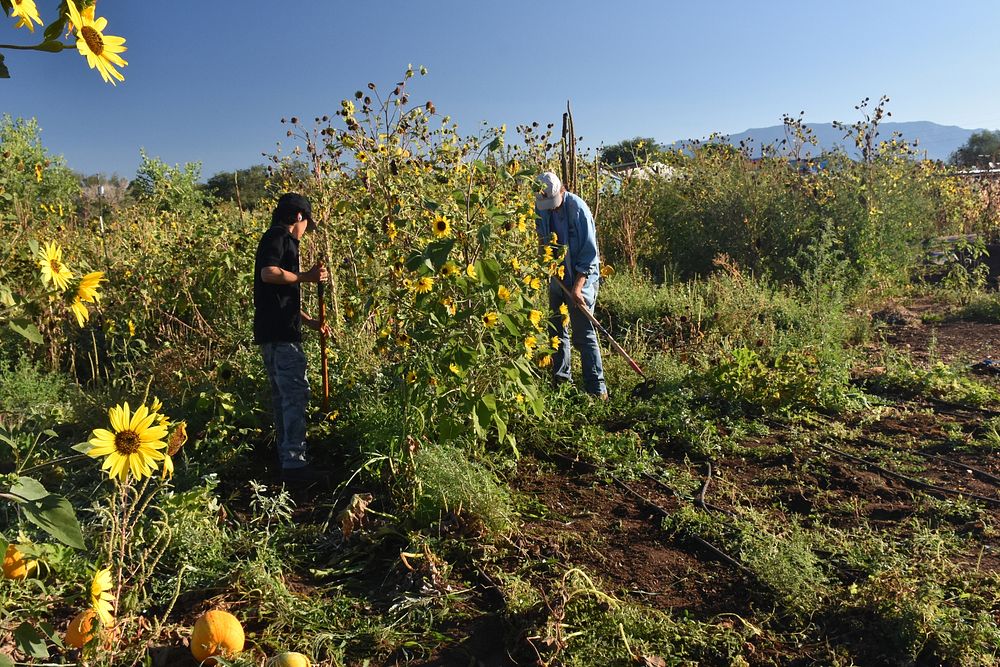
{"x": 304, "y": 477}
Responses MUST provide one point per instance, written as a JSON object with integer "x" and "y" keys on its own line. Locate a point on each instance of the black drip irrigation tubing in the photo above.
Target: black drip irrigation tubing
{"x": 984, "y": 476}
{"x": 933, "y": 489}
{"x": 981, "y": 474}
{"x": 961, "y": 406}
{"x": 718, "y": 552}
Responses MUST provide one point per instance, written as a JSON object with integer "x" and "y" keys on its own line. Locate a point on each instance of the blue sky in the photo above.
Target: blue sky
{"x": 208, "y": 80}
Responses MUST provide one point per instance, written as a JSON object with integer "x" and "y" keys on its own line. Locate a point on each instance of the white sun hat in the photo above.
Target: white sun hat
{"x": 552, "y": 192}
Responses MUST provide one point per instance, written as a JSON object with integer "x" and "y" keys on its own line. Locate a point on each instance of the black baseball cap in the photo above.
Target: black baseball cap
{"x": 291, "y": 203}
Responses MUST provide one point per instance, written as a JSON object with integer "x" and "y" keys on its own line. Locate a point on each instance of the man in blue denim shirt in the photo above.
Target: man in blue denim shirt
{"x": 277, "y": 328}
{"x": 567, "y": 217}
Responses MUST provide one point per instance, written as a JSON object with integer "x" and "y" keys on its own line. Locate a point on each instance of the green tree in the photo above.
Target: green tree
{"x": 172, "y": 189}
{"x": 982, "y": 148}
{"x": 631, "y": 151}
{"x": 248, "y": 187}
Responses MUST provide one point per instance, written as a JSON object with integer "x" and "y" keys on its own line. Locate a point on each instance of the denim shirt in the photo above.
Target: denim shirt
{"x": 582, "y": 256}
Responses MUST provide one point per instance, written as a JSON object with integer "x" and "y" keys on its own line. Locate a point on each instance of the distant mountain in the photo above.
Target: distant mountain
{"x": 939, "y": 141}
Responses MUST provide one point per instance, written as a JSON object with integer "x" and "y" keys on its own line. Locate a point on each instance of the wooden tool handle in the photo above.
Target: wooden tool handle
{"x": 322, "y": 348}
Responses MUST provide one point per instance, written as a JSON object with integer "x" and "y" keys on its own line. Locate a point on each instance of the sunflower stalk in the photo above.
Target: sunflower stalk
{"x": 170, "y": 606}
{"x": 158, "y": 547}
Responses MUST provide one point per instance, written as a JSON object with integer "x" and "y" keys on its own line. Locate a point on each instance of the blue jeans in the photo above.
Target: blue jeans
{"x": 286, "y": 369}
{"x": 584, "y": 338}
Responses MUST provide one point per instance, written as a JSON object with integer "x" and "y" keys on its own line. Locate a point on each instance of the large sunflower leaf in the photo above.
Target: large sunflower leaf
{"x": 50, "y": 512}
{"x": 23, "y": 327}
{"x": 30, "y": 642}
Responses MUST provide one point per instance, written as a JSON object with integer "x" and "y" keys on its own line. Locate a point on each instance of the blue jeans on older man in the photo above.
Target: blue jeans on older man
{"x": 584, "y": 338}
{"x": 286, "y": 369}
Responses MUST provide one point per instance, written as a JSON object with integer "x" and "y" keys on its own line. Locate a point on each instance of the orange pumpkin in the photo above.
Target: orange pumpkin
{"x": 217, "y": 632}
{"x": 15, "y": 565}
{"x": 81, "y": 629}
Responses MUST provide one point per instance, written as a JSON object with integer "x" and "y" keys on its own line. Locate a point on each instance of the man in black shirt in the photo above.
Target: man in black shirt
{"x": 277, "y": 328}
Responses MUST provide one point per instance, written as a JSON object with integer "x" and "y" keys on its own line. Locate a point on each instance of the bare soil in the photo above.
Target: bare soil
{"x": 615, "y": 534}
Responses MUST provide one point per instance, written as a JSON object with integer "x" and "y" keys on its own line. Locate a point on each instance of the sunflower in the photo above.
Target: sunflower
{"x": 87, "y": 13}
{"x": 454, "y": 368}
{"x": 441, "y": 226}
{"x": 470, "y": 271}
{"x": 564, "y": 311}
{"x": 423, "y": 285}
{"x": 80, "y": 310}
{"x": 555, "y": 342}
{"x": 449, "y": 305}
{"x": 402, "y": 340}
{"x": 530, "y": 343}
{"x": 411, "y": 377}
{"x": 503, "y": 293}
{"x": 490, "y": 319}
{"x": 545, "y": 362}
{"x": 168, "y": 467}
{"x": 515, "y": 263}
{"x": 86, "y": 291}
{"x": 535, "y": 316}
{"x": 100, "y": 50}
{"x": 449, "y": 269}
{"x": 177, "y": 438}
{"x": 547, "y": 254}
{"x": 53, "y": 269}
{"x": 101, "y": 600}
{"x": 26, "y": 12}
{"x": 133, "y": 446}
{"x": 174, "y": 443}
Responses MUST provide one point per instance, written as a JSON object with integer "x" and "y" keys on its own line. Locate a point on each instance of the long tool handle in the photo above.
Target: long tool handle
{"x": 322, "y": 348}
{"x": 614, "y": 344}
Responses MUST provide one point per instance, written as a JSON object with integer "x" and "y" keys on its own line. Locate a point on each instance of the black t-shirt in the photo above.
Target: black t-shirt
{"x": 276, "y": 308}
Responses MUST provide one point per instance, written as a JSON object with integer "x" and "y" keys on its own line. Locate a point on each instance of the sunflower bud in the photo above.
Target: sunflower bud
{"x": 177, "y": 438}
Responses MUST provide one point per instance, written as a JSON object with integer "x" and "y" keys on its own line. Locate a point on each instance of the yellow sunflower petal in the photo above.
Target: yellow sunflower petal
{"x": 102, "y": 449}
{"x": 135, "y": 465}
{"x": 74, "y": 14}
{"x": 119, "y": 466}
{"x": 103, "y": 610}
{"x": 115, "y": 415}
{"x": 102, "y": 434}
{"x": 153, "y": 434}
{"x": 102, "y": 581}
{"x": 110, "y": 462}
{"x": 154, "y": 454}
{"x": 112, "y": 57}
{"x": 137, "y": 417}
{"x": 146, "y": 422}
